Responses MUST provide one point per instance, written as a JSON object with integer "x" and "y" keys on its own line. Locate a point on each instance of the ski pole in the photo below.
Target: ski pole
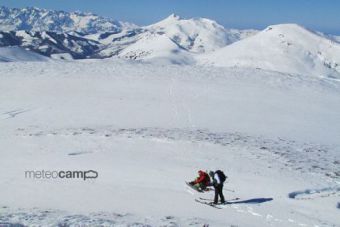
{"x": 229, "y": 190}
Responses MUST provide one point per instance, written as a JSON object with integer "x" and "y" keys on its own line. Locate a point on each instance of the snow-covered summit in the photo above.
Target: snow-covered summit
{"x": 196, "y": 34}
{"x": 172, "y": 17}
{"x": 288, "y": 48}
{"x": 35, "y": 19}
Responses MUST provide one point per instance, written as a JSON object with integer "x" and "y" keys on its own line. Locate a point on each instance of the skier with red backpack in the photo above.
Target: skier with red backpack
{"x": 202, "y": 181}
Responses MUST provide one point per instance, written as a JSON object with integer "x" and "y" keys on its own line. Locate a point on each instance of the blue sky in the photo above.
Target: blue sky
{"x": 322, "y": 15}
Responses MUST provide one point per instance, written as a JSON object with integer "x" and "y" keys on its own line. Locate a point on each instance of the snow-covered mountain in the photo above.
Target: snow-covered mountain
{"x": 197, "y": 34}
{"x": 35, "y": 19}
{"x": 103, "y": 37}
{"x": 174, "y": 39}
{"x": 287, "y": 48}
{"x": 51, "y": 44}
{"x": 114, "y": 43}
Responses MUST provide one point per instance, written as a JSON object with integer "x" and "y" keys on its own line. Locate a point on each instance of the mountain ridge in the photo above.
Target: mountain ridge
{"x": 288, "y": 48}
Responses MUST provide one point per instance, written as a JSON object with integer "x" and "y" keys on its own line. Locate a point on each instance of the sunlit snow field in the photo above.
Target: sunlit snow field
{"x": 148, "y": 128}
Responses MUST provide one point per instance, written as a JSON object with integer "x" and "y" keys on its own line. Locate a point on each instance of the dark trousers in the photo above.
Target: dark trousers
{"x": 219, "y": 193}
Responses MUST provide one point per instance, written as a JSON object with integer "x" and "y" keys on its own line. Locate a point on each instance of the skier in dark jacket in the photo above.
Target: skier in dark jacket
{"x": 218, "y": 179}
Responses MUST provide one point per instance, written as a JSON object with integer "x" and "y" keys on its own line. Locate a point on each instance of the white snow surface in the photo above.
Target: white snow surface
{"x": 12, "y": 54}
{"x": 287, "y": 48}
{"x": 146, "y": 128}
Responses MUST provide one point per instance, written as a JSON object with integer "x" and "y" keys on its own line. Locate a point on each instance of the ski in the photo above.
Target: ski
{"x": 194, "y": 188}
{"x": 208, "y": 203}
{"x": 205, "y": 199}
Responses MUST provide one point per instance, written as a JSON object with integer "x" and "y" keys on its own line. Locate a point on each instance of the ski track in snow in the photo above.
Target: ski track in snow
{"x": 252, "y": 211}
{"x": 314, "y": 193}
{"x": 302, "y": 157}
{"x": 13, "y": 113}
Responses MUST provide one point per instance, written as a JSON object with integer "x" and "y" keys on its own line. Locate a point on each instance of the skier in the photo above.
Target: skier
{"x": 218, "y": 178}
{"x": 202, "y": 181}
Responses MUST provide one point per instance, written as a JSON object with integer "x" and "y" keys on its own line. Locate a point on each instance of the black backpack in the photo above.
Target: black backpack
{"x": 221, "y": 175}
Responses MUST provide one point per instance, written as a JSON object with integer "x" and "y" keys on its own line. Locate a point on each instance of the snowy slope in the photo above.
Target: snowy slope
{"x": 285, "y": 48}
{"x": 158, "y": 48}
{"x": 147, "y": 128}
{"x": 114, "y": 43}
{"x": 12, "y": 54}
{"x": 35, "y": 19}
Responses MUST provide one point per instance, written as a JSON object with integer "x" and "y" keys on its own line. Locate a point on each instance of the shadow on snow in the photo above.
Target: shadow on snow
{"x": 252, "y": 201}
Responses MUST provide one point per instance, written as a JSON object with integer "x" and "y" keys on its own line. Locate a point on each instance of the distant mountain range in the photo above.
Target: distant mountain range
{"x": 85, "y": 35}
{"x": 39, "y": 20}
{"x": 62, "y": 35}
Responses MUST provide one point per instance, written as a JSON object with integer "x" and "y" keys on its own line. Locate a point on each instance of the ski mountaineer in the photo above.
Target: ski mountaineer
{"x": 202, "y": 181}
{"x": 218, "y": 178}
